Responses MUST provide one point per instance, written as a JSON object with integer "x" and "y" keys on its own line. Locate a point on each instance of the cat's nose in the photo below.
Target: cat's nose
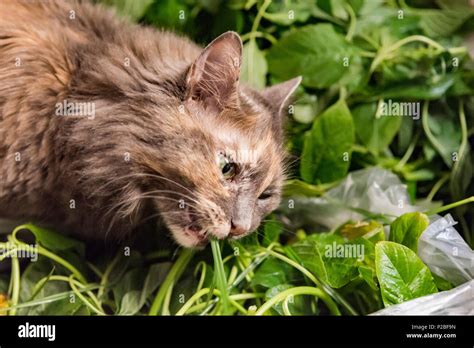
{"x": 237, "y": 229}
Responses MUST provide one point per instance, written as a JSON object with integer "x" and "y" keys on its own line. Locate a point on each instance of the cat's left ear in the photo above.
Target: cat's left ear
{"x": 279, "y": 95}
{"x": 213, "y": 78}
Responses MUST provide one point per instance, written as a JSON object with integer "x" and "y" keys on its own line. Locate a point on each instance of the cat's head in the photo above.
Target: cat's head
{"x": 227, "y": 164}
{"x": 201, "y": 150}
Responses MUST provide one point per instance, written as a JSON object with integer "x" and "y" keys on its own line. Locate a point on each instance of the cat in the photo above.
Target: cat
{"x": 107, "y": 125}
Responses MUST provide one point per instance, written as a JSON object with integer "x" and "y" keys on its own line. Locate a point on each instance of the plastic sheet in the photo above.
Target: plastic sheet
{"x": 374, "y": 190}
{"x": 441, "y": 247}
{"x": 445, "y": 252}
{"x": 457, "y": 301}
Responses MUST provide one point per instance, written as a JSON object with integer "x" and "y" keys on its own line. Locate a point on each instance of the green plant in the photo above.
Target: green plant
{"x": 358, "y": 59}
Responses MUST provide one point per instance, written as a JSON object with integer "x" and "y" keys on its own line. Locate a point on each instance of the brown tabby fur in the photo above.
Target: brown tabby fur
{"x": 161, "y": 116}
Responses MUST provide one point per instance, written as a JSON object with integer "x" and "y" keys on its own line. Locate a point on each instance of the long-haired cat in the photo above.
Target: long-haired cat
{"x": 105, "y": 125}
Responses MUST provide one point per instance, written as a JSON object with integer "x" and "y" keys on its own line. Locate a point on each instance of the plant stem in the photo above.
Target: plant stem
{"x": 408, "y": 153}
{"x": 301, "y": 290}
{"x": 307, "y": 273}
{"x": 219, "y": 274}
{"x": 352, "y": 24}
{"x": 15, "y": 284}
{"x": 254, "y": 34}
{"x": 259, "y": 16}
{"x": 384, "y": 52}
{"x": 176, "y": 270}
{"x": 83, "y": 298}
{"x": 450, "y": 206}
{"x": 105, "y": 277}
{"x": 437, "y": 186}
{"x": 47, "y": 253}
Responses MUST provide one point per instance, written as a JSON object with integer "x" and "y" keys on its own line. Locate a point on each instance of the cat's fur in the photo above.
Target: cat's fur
{"x": 165, "y": 110}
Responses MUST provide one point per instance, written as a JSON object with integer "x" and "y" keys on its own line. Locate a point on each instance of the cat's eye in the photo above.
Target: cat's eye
{"x": 265, "y": 195}
{"x": 227, "y": 167}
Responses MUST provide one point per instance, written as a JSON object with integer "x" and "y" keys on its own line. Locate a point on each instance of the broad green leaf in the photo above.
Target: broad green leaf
{"x": 436, "y": 23}
{"x": 33, "y": 273}
{"x": 133, "y": 300}
{"x": 224, "y": 20}
{"x": 167, "y": 13}
{"x": 401, "y": 274}
{"x": 316, "y": 52}
{"x": 304, "y": 113}
{"x": 405, "y": 134}
{"x": 71, "y": 250}
{"x": 271, "y": 232}
{"x": 433, "y": 88}
{"x": 368, "y": 274}
{"x": 371, "y": 230}
{"x": 406, "y": 229}
{"x": 446, "y": 135}
{"x": 274, "y": 272}
{"x": 54, "y": 241}
{"x": 328, "y": 146}
{"x": 254, "y": 65}
{"x": 331, "y": 258}
{"x": 442, "y": 284}
{"x": 375, "y": 133}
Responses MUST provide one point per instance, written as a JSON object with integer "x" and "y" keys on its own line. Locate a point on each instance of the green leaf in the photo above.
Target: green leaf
{"x": 316, "y": 52}
{"x": 33, "y": 273}
{"x": 446, "y": 135}
{"x": 133, "y": 300}
{"x": 407, "y": 228}
{"x": 328, "y": 146}
{"x": 368, "y": 274}
{"x": 295, "y": 187}
{"x": 271, "y": 232}
{"x": 433, "y": 88}
{"x": 441, "y": 283}
{"x": 272, "y": 273}
{"x": 371, "y": 230}
{"x": 171, "y": 14}
{"x": 401, "y": 274}
{"x": 254, "y": 65}
{"x": 286, "y": 12}
{"x": 436, "y": 23}
{"x": 375, "y": 133}
{"x": 331, "y": 258}
{"x": 54, "y": 241}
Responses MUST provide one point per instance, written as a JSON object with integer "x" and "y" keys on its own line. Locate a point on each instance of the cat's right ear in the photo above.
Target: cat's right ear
{"x": 213, "y": 78}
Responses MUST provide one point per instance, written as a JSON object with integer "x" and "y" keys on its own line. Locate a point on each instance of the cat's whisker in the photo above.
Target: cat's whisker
{"x": 120, "y": 207}
{"x": 134, "y": 175}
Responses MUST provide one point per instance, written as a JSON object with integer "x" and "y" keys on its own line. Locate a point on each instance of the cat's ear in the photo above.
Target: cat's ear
{"x": 213, "y": 78}
{"x": 279, "y": 95}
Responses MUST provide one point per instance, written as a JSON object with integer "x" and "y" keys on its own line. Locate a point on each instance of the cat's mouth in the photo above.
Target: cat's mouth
{"x": 193, "y": 229}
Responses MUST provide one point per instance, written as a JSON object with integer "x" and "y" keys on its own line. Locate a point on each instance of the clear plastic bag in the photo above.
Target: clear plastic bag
{"x": 374, "y": 190}
{"x": 440, "y": 246}
{"x": 457, "y": 301}
{"x": 445, "y": 252}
